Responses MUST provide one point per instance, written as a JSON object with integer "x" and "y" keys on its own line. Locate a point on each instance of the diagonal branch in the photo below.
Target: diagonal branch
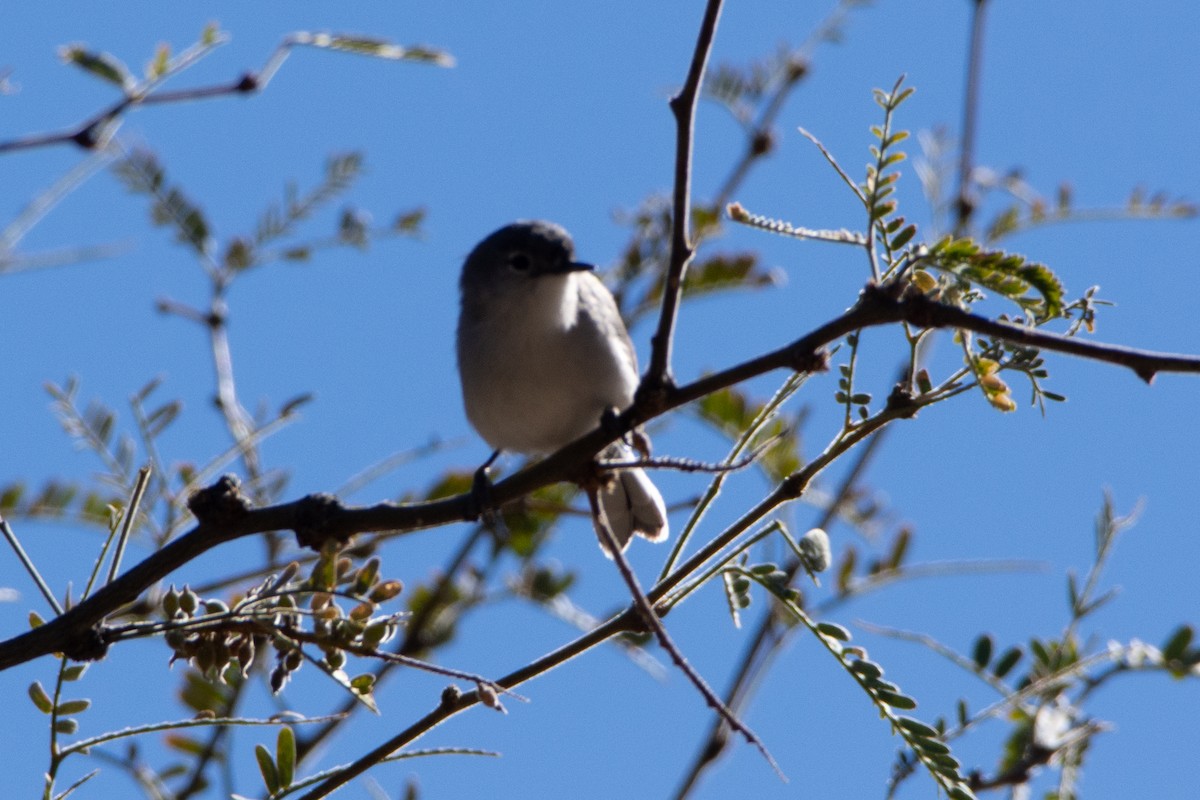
{"x": 224, "y": 515}
{"x": 650, "y": 619}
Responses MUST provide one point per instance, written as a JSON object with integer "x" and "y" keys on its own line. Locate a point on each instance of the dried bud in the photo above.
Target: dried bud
{"x": 924, "y": 281}
{"x": 170, "y": 601}
{"x": 376, "y": 633}
{"x": 450, "y": 695}
{"x": 189, "y": 601}
{"x": 993, "y": 383}
{"x": 386, "y": 591}
{"x": 815, "y": 550}
{"x": 293, "y": 660}
{"x": 215, "y": 607}
{"x": 487, "y": 696}
{"x": 336, "y": 659}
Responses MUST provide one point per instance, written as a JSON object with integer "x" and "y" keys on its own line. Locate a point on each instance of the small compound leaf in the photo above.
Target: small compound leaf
{"x": 834, "y": 631}
{"x": 982, "y": 652}
{"x": 896, "y": 700}
{"x": 285, "y": 756}
{"x": 103, "y": 65}
{"x": 1007, "y": 661}
{"x": 74, "y": 706}
{"x": 266, "y": 767}
{"x": 39, "y": 697}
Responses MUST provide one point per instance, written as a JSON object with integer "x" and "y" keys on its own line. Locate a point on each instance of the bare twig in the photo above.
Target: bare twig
{"x": 27, "y": 563}
{"x": 683, "y": 105}
{"x": 96, "y": 130}
{"x": 131, "y": 512}
{"x": 965, "y": 203}
{"x": 767, "y": 638}
{"x": 646, "y": 611}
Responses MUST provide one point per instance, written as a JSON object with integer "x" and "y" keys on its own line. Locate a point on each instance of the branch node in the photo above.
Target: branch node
{"x": 313, "y": 517}
{"x": 450, "y": 696}
{"x": 87, "y": 644}
{"x": 792, "y": 487}
{"x": 248, "y": 83}
{"x": 654, "y": 394}
{"x": 86, "y": 137}
{"x": 221, "y": 504}
{"x": 901, "y": 401}
{"x": 809, "y": 361}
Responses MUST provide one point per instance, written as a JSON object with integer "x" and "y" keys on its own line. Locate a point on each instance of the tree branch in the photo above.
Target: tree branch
{"x": 224, "y": 515}
{"x": 965, "y": 202}
{"x": 658, "y": 378}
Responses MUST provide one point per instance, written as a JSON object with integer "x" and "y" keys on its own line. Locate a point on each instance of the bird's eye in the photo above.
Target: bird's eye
{"x": 519, "y": 261}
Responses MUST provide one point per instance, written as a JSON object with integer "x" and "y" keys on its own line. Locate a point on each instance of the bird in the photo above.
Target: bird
{"x": 543, "y": 355}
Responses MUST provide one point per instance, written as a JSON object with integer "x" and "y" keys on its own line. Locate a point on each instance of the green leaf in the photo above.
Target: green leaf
{"x": 1039, "y": 651}
{"x": 895, "y": 557}
{"x": 846, "y": 570}
{"x": 200, "y": 694}
{"x": 903, "y": 237}
{"x": 285, "y": 756}
{"x": 728, "y": 410}
{"x": 1177, "y": 644}
{"x": 946, "y": 762}
{"x": 378, "y": 48}
{"x": 103, "y": 65}
{"x": 410, "y": 221}
{"x": 185, "y": 744}
{"x": 74, "y": 672}
{"x": 10, "y": 496}
{"x": 1006, "y": 274}
{"x": 834, "y": 631}
{"x": 868, "y": 669}
{"x": 982, "y": 652}
{"x": 74, "y": 706}
{"x": 916, "y": 727}
{"x": 39, "y": 697}
{"x": 66, "y": 726}
{"x": 896, "y": 700}
{"x": 1007, "y": 661}
{"x": 266, "y": 767}
{"x": 932, "y": 747}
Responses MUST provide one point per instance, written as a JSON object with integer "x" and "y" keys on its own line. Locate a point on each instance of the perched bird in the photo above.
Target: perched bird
{"x": 543, "y": 354}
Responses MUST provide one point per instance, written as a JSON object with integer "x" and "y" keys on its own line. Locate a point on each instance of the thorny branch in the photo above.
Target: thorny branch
{"x": 224, "y": 515}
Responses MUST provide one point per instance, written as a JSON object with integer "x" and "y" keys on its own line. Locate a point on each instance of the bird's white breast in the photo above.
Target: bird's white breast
{"x": 543, "y": 366}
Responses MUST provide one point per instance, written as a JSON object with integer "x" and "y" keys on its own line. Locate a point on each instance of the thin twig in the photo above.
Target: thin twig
{"x": 965, "y": 203}
{"x": 683, "y": 106}
{"x": 650, "y": 618}
{"x": 131, "y": 512}
{"x": 854, "y": 187}
{"x": 767, "y": 638}
{"x": 690, "y": 465}
{"x": 411, "y": 643}
{"x": 27, "y": 563}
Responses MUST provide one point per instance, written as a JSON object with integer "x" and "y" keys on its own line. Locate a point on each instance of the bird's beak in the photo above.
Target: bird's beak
{"x": 567, "y": 267}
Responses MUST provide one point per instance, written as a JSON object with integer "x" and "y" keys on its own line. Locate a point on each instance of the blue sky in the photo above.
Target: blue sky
{"x": 558, "y": 111}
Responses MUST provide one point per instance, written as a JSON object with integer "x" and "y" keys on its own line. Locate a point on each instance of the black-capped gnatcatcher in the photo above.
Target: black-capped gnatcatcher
{"x": 543, "y": 354}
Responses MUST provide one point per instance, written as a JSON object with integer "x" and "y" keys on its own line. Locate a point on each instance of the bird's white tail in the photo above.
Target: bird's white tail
{"x": 632, "y": 504}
